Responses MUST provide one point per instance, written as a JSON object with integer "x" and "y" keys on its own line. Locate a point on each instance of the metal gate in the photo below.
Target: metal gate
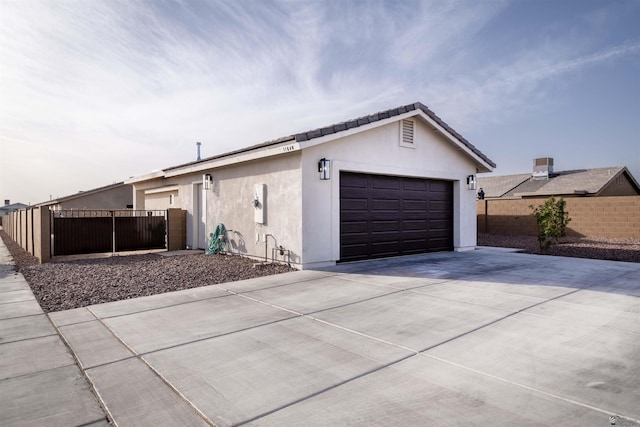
{"x": 94, "y": 231}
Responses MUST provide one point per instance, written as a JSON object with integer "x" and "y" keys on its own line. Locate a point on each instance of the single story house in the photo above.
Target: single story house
{"x": 545, "y": 182}
{"x": 397, "y": 182}
{"x": 115, "y": 196}
{"x": 10, "y": 207}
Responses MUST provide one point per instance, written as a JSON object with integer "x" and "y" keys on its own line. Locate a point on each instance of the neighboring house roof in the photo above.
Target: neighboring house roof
{"x": 485, "y": 164}
{"x": 498, "y": 186}
{"x": 12, "y": 207}
{"x": 587, "y": 182}
{"x": 80, "y": 194}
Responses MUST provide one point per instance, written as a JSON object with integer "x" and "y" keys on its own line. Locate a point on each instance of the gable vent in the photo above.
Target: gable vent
{"x": 407, "y": 131}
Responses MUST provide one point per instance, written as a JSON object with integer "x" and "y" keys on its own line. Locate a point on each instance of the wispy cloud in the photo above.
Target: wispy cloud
{"x": 133, "y": 85}
{"x": 494, "y": 93}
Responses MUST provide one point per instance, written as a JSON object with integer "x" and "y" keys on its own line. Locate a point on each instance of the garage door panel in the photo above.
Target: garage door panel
{"x": 384, "y": 182}
{"x": 354, "y": 204}
{"x": 414, "y": 216}
{"x": 353, "y": 251}
{"x": 439, "y": 224}
{"x": 381, "y": 226}
{"x": 388, "y": 216}
{"x": 355, "y": 227}
{"x": 354, "y": 181}
{"x": 414, "y": 246}
{"x": 384, "y": 248}
{"x": 418, "y": 185}
{"x": 414, "y": 205}
{"x": 415, "y": 224}
{"x": 385, "y": 205}
{"x": 436, "y": 186}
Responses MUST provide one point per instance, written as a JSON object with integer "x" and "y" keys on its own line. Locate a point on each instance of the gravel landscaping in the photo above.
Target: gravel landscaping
{"x": 62, "y": 285}
{"x": 580, "y": 247}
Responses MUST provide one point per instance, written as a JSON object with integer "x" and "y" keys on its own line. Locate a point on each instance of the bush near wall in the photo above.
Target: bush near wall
{"x": 606, "y": 217}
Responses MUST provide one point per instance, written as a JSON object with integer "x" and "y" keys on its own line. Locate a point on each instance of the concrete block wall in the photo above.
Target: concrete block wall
{"x": 606, "y": 217}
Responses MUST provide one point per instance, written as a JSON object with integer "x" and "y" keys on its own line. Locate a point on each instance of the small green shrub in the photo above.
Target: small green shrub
{"x": 552, "y": 220}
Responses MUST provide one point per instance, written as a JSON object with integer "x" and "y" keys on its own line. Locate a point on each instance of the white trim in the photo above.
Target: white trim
{"x": 142, "y": 178}
{"x": 414, "y": 113}
{"x": 288, "y": 147}
{"x": 161, "y": 189}
{"x": 291, "y": 146}
{"x": 353, "y": 131}
{"x": 456, "y": 141}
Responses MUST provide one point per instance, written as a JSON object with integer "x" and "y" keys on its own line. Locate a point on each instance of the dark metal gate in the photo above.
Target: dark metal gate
{"x": 94, "y": 231}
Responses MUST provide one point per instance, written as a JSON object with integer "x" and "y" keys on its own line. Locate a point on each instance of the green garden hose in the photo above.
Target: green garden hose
{"x": 217, "y": 241}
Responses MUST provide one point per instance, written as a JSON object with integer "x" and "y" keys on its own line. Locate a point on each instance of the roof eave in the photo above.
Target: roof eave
{"x": 286, "y": 146}
{"x": 549, "y": 194}
{"x": 146, "y": 177}
{"x": 483, "y": 164}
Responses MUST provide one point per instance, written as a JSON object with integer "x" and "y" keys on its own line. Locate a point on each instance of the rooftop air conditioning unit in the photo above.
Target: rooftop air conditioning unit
{"x": 542, "y": 168}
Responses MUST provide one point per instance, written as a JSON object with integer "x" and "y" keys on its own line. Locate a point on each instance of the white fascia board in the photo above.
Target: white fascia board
{"x": 284, "y": 148}
{"x": 383, "y": 122}
{"x": 142, "y": 178}
{"x": 162, "y": 189}
{"x": 348, "y": 132}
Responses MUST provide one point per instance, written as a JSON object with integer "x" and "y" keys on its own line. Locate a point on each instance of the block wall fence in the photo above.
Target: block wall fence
{"x": 605, "y": 217}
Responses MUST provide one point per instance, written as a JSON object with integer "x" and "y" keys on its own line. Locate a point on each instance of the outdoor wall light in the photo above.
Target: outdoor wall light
{"x": 324, "y": 166}
{"x": 207, "y": 179}
{"x": 471, "y": 182}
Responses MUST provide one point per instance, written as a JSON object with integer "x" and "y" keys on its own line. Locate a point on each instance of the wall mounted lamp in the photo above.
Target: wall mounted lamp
{"x": 207, "y": 179}
{"x": 471, "y": 182}
{"x": 324, "y": 167}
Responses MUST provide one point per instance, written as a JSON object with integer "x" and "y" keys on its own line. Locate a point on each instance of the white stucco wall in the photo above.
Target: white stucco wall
{"x": 229, "y": 201}
{"x": 379, "y": 151}
{"x": 302, "y": 211}
{"x": 161, "y": 200}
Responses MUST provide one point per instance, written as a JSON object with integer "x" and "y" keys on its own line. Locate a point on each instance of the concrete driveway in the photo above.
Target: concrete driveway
{"x": 477, "y": 338}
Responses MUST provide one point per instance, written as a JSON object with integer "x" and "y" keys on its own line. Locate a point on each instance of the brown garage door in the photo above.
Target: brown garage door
{"x": 382, "y": 216}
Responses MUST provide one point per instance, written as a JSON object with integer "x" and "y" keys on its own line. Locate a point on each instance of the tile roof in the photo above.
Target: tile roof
{"x": 12, "y": 207}
{"x": 350, "y": 124}
{"x": 498, "y": 186}
{"x": 346, "y": 125}
{"x": 582, "y": 181}
{"x": 81, "y": 194}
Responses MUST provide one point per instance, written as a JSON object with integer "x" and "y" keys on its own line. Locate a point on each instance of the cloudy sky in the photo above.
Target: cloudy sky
{"x": 92, "y": 92}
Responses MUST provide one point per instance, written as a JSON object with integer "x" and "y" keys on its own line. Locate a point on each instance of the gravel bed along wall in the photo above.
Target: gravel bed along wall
{"x": 62, "y": 285}
{"x": 585, "y": 247}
